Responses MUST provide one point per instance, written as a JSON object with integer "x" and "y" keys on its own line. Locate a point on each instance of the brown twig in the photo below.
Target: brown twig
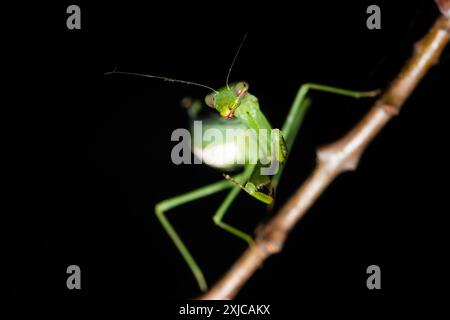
{"x": 444, "y": 6}
{"x": 335, "y": 158}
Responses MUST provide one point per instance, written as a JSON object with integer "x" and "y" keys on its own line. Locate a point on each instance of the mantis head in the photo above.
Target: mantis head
{"x": 227, "y": 99}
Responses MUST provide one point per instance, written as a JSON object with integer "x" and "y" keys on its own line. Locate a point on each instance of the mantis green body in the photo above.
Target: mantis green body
{"x": 240, "y": 108}
{"x": 236, "y": 108}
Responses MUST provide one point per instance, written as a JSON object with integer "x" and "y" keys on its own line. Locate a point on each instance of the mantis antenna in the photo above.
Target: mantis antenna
{"x": 159, "y": 77}
{"x": 234, "y": 59}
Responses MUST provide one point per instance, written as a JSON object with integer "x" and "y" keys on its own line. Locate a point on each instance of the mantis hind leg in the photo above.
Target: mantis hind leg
{"x": 302, "y": 103}
{"x": 171, "y": 203}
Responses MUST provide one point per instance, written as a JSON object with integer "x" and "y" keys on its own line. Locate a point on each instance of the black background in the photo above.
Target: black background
{"x": 88, "y": 156}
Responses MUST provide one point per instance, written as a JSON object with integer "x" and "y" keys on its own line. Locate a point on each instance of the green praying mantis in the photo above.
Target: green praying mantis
{"x": 237, "y": 108}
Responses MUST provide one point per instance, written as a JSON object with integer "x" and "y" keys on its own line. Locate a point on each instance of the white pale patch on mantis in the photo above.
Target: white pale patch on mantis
{"x": 220, "y": 155}
{"x": 227, "y": 150}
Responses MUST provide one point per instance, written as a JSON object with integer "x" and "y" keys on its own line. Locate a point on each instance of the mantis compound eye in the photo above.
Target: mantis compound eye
{"x": 210, "y": 100}
{"x": 241, "y": 88}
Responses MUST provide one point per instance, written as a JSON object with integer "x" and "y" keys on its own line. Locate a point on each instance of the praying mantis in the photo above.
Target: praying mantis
{"x": 236, "y": 108}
